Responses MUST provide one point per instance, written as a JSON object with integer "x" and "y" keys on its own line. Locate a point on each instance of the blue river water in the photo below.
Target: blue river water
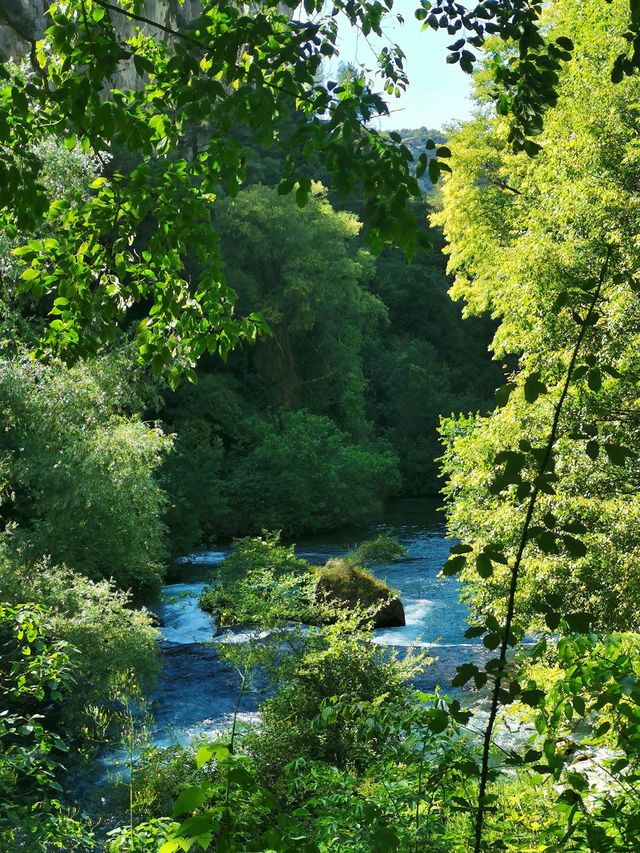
{"x": 197, "y": 690}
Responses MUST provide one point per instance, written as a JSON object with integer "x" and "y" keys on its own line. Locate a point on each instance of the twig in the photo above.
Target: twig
{"x": 227, "y": 795}
{"x": 141, "y": 19}
{"x": 504, "y": 644}
{"x": 503, "y": 185}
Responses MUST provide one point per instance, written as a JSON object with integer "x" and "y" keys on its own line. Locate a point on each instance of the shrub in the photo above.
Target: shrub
{"x": 80, "y": 469}
{"x": 158, "y": 777}
{"x": 336, "y": 661}
{"x": 382, "y": 549}
{"x": 37, "y": 675}
{"x": 263, "y": 582}
{"x": 116, "y": 643}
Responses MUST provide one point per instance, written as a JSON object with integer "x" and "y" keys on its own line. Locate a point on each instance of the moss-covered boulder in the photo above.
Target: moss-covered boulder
{"x": 263, "y": 582}
{"x": 340, "y": 580}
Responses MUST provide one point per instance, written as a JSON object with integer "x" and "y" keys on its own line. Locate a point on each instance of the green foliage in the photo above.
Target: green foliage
{"x": 427, "y": 363}
{"x": 300, "y": 472}
{"x": 350, "y": 583}
{"x": 600, "y": 687}
{"x": 253, "y": 554}
{"x": 182, "y": 84}
{"x": 382, "y": 549}
{"x": 206, "y": 418}
{"x": 336, "y": 660}
{"x": 345, "y": 583}
{"x": 306, "y": 275}
{"x": 371, "y": 368}
{"x": 148, "y": 835}
{"x": 545, "y": 487}
{"x": 79, "y": 468}
{"x": 191, "y": 475}
{"x": 115, "y": 643}
{"x": 37, "y": 674}
{"x": 178, "y": 84}
{"x": 535, "y": 486}
{"x": 346, "y": 756}
{"x": 65, "y": 174}
{"x": 262, "y": 582}
{"x": 159, "y": 775}
{"x": 548, "y": 272}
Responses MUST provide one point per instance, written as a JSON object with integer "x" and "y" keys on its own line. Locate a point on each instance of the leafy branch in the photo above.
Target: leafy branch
{"x": 506, "y": 638}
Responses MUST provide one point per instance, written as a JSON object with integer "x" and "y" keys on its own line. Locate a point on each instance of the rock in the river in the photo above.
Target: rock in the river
{"x": 341, "y": 580}
{"x": 391, "y": 614}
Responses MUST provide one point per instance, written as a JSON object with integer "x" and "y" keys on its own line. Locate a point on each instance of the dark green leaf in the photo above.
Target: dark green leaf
{"x": 592, "y": 449}
{"x": 575, "y": 527}
{"x": 197, "y": 825}
{"x": 190, "y": 799}
{"x": 464, "y": 673}
{"x": 385, "y": 838}
{"x": 594, "y": 379}
{"x": 618, "y": 453}
{"x": 484, "y": 566}
{"x": 552, "y": 619}
{"x": 575, "y": 547}
{"x": 533, "y": 387}
{"x": 546, "y": 541}
{"x": 491, "y": 641}
{"x": 532, "y": 697}
{"x": 438, "y": 720}
{"x": 454, "y": 564}
{"x": 580, "y": 371}
{"x": 461, "y": 549}
{"x": 503, "y": 393}
{"x": 579, "y": 622}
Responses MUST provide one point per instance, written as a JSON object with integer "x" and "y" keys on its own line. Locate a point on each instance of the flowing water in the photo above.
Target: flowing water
{"x": 197, "y": 691}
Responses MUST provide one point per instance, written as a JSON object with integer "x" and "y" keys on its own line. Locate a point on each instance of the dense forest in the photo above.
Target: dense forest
{"x": 234, "y": 315}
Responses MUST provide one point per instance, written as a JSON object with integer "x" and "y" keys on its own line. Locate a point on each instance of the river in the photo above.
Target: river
{"x": 197, "y": 691}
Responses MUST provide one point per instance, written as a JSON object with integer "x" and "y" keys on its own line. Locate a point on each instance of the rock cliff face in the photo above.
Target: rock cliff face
{"x": 18, "y": 18}
{"x": 22, "y": 21}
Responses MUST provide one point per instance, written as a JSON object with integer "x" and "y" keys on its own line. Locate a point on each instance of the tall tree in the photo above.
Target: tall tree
{"x": 545, "y": 490}
{"x": 527, "y": 242}
{"x": 306, "y": 275}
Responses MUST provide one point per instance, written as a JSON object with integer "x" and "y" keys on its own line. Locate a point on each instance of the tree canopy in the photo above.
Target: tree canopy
{"x": 528, "y": 239}
{"x": 544, "y": 491}
{"x": 145, "y": 235}
{"x": 228, "y": 70}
